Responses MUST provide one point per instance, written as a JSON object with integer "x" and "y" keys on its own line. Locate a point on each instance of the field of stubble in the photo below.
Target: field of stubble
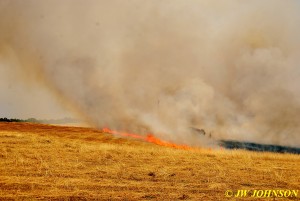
{"x": 44, "y": 162}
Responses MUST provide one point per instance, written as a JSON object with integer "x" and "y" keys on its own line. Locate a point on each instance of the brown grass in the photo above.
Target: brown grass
{"x": 72, "y": 163}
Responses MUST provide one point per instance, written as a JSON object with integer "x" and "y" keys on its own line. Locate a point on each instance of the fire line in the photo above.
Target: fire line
{"x": 149, "y": 138}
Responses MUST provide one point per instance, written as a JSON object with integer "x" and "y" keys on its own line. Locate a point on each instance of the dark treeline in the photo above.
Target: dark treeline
{"x": 47, "y": 121}
{"x": 32, "y": 120}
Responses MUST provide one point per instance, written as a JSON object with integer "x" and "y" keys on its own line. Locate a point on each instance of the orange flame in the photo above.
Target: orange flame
{"x": 149, "y": 138}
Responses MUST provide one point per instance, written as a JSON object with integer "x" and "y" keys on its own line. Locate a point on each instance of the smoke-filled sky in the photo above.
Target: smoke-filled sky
{"x": 19, "y": 100}
{"x": 163, "y": 66}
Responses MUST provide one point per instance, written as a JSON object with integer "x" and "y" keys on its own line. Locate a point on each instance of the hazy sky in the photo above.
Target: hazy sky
{"x": 17, "y": 100}
{"x": 161, "y": 66}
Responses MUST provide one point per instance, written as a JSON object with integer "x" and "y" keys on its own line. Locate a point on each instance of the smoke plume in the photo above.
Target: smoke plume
{"x": 164, "y": 66}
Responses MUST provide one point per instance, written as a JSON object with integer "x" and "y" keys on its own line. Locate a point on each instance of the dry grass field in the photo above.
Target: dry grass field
{"x": 44, "y": 162}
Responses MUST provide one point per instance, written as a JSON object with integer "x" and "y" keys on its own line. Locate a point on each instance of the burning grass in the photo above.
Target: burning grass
{"x": 63, "y": 163}
{"x": 149, "y": 138}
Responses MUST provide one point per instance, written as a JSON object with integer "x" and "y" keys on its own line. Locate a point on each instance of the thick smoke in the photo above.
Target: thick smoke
{"x": 165, "y": 66}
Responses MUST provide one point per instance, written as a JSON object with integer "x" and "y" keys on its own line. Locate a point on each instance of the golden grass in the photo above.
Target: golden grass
{"x": 44, "y": 162}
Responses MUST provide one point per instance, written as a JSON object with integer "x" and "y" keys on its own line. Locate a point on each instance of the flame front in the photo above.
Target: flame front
{"x": 149, "y": 138}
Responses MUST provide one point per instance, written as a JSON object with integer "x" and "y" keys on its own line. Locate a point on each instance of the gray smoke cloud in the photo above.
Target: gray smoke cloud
{"x": 164, "y": 66}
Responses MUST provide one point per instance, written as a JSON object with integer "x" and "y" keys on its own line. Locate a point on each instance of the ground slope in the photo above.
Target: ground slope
{"x": 72, "y": 163}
